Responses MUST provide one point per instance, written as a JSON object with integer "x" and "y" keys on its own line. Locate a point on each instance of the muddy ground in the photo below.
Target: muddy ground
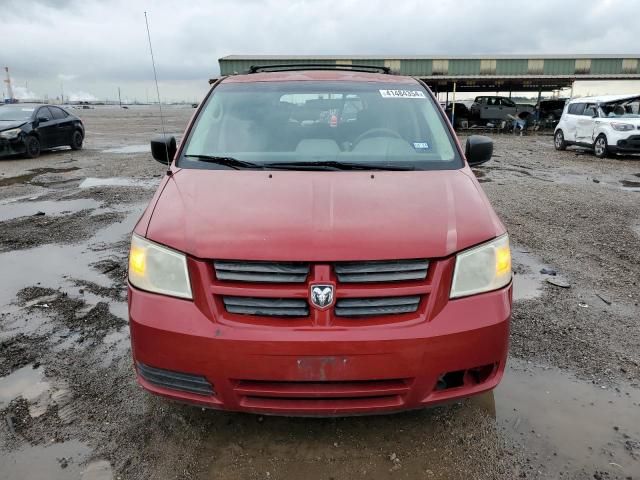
{"x": 569, "y": 406}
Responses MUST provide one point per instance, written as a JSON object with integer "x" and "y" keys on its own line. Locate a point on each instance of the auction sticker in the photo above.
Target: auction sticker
{"x": 402, "y": 94}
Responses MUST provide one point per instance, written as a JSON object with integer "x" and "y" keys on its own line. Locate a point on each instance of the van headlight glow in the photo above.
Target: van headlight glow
{"x": 483, "y": 268}
{"x": 158, "y": 269}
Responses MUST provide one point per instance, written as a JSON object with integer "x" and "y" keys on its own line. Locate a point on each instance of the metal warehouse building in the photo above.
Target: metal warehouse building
{"x": 472, "y": 73}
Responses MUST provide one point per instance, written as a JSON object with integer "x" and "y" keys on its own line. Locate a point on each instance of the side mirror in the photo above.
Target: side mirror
{"x": 163, "y": 148}
{"x": 478, "y": 149}
{"x": 42, "y": 119}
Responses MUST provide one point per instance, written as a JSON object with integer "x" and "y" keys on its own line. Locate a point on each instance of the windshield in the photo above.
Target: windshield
{"x": 355, "y": 123}
{"x": 14, "y": 113}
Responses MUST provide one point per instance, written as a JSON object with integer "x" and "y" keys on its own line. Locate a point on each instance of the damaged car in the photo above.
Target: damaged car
{"x": 27, "y": 129}
{"x": 608, "y": 124}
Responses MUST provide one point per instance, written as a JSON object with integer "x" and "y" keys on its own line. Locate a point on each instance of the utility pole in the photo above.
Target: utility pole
{"x": 119, "y": 98}
{"x": 61, "y": 93}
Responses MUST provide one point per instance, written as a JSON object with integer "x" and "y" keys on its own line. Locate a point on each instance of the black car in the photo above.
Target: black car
{"x": 28, "y": 129}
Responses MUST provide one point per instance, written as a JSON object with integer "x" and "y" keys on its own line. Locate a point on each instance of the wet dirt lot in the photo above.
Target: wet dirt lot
{"x": 568, "y": 407}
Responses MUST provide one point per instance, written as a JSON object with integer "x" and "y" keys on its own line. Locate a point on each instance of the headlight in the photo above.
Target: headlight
{"x": 622, "y": 127}
{"x": 482, "y": 269}
{"x": 158, "y": 269}
{"x": 10, "y": 134}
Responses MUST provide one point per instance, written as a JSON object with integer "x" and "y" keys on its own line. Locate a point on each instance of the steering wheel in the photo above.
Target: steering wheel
{"x": 377, "y": 132}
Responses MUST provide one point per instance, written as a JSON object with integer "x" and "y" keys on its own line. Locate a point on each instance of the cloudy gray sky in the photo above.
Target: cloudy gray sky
{"x": 90, "y": 48}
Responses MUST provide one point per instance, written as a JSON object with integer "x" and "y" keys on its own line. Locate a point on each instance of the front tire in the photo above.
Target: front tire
{"x": 558, "y": 141}
{"x": 32, "y": 145}
{"x": 600, "y": 147}
{"x": 76, "y": 140}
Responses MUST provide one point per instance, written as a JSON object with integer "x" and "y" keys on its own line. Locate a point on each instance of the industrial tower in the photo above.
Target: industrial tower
{"x": 10, "y": 98}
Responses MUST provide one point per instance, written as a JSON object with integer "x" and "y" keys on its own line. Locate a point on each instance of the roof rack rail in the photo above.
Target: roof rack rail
{"x": 317, "y": 66}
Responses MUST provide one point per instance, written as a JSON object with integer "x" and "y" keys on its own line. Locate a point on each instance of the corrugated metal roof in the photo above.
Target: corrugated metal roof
{"x": 426, "y": 57}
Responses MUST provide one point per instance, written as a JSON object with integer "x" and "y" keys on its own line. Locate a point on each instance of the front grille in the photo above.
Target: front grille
{"x": 175, "y": 381}
{"x": 277, "y": 293}
{"x": 322, "y": 396}
{"x": 268, "y": 307}
{"x": 381, "y": 271}
{"x": 357, "y": 307}
{"x": 329, "y": 389}
{"x": 268, "y": 272}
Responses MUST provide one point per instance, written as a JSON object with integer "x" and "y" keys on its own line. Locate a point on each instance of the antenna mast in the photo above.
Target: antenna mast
{"x": 155, "y": 77}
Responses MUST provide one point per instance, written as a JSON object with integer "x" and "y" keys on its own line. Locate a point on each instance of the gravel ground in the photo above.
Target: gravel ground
{"x": 569, "y": 406}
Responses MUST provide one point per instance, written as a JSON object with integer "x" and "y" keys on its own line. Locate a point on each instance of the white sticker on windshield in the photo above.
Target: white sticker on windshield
{"x": 402, "y": 94}
{"x": 27, "y": 109}
{"x": 421, "y": 145}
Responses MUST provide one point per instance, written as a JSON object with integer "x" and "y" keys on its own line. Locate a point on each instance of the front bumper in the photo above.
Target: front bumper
{"x": 630, "y": 144}
{"x": 320, "y": 371}
{"x": 12, "y": 147}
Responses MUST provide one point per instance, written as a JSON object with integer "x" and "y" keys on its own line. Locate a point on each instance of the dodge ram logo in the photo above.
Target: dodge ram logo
{"x": 321, "y": 295}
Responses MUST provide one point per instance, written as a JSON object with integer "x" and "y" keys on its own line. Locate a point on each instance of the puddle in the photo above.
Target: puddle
{"x": 57, "y": 461}
{"x": 26, "y": 382}
{"x": 98, "y": 470}
{"x": 91, "y": 182}
{"x": 34, "y": 173}
{"x": 142, "y": 148}
{"x": 603, "y": 179}
{"x": 13, "y": 210}
{"x": 527, "y": 279}
{"x": 565, "y": 176}
{"x": 29, "y": 383}
{"x": 48, "y": 265}
{"x": 568, "y": 421}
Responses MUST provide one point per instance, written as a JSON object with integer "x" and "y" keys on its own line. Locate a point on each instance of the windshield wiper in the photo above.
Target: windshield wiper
{"x": 317, "y": 165}
{"x": 227, "y": 161}
{"x": 332, "y": 164}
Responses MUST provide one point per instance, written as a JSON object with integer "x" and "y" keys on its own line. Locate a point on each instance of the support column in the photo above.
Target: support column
{"x": 453, "y": 106}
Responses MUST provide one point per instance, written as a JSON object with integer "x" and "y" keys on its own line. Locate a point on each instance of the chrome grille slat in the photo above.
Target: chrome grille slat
{"x": 269, "y": 307}
{"x": 381, "y": 271}
{"x": 355, "y": 307}
{"x": 267, "y": 272}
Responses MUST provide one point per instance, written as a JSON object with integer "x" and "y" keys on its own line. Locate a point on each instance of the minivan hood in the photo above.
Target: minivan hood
{"x": 321, "y": 216}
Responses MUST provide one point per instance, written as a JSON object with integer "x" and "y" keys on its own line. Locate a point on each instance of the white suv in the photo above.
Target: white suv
{"x": 609, "y": 124}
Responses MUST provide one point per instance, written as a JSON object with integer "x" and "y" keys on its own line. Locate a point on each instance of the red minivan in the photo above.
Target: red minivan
{"x": 319, "y": 246}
